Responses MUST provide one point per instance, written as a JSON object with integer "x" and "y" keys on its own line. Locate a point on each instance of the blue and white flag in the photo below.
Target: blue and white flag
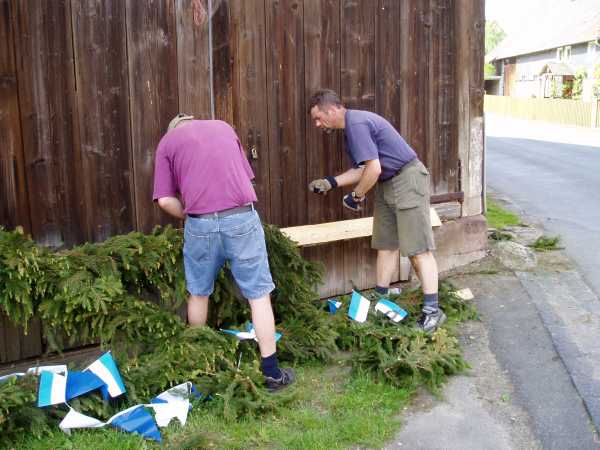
{"x": 106, "y": 369}
{"x": 57, "y": 368}
{"x": 75, "y": 419}
{"x": 52, "y": 389}
{"x": 11, "y": 375}
{"x": 334, "y": 305}
{"x": 250, "y": 333}
{"x": 136, "y": 419}
{"x": 173, "y": 403}
{"x": 390, "y": 310}
{"x": 79, "y": 383}
{"x": 359, "y": 307}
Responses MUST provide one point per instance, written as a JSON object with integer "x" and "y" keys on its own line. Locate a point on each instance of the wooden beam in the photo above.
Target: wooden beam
{"x": 322, "y": 233}
{"x": 449, "y": 197}
{"x": 305, "y": 235}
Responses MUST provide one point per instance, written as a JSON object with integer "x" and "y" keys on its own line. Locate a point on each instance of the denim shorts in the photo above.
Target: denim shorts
{"x": 239, "y": 239}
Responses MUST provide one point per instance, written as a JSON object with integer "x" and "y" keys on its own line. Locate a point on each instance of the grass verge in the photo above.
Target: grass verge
{"x": 546, "y": 243}
{"x": 499, "y": 217}
{"x": 335, "y": 410}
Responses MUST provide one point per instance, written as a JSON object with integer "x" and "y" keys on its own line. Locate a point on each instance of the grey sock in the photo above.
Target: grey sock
{"x": 381, "y": 290}
{"x": 431, "y": 301}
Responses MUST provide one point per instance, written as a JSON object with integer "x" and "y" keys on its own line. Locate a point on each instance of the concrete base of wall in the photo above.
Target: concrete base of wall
{"x": 460, "y": 242}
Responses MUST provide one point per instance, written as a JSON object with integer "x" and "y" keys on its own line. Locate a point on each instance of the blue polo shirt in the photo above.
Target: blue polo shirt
{"x": 369, "y": 136}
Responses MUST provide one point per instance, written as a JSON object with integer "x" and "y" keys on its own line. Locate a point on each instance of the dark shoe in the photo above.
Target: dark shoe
{"x": 431, "y": 320}
{"x": 276, "y": 384}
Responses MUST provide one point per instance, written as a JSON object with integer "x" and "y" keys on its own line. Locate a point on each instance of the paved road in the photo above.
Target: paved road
{"x": 552, "y": 173}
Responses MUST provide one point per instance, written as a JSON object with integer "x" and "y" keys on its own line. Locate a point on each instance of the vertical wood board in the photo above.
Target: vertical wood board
{"x": 47, "y": 104}
{"x": 99, "y": 38}
{"x": 14, "y": 201}
{"x": 151, "y": 43}
{"x": 285, "y": 87}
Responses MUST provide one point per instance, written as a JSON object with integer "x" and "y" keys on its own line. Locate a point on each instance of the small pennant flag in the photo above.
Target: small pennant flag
{"x": 241, "y": 335}
{"x": 79, "y": 383}
{"x": 106, "y": 369}
{"x": 248, "y": 334}
{"x": 391, "y": 310}
{"x": 359, "y": 307}
{"x": 52, "y": 389}
{"x": 75, "y": 419}
{"x": 138, "y": 420}
{"x": 172, "y": 403}
{"x": 180, "y": 392}
{"x": 60, "y": 368}
{"x": 11, "y": 375}
{"x": 334, "y": 305}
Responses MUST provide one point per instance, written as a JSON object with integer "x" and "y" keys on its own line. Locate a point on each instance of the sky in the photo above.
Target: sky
{"x": 512, "y": 15}
{"x": 526, "y": 18}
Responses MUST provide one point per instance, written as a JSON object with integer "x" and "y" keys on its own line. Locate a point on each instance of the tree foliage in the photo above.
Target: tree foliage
{"x": 494, "y": 34}
{"x": 125, "y": 294}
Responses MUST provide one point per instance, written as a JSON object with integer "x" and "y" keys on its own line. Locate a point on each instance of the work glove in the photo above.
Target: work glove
{"x": 323, "y": 185}
{"x": 352, "y": 202}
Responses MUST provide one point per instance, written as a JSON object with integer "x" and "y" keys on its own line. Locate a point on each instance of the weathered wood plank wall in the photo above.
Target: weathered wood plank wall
{"x": 88, "y": 87}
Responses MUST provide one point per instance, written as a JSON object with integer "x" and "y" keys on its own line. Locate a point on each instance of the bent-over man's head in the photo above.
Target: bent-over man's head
{"x": 327, "y": 111}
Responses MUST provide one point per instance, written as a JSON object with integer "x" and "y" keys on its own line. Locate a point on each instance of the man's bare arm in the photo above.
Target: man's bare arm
{"x": 349, "y": 177}
{"x": 369, "y": 177}
{"x": 172, "y": 206}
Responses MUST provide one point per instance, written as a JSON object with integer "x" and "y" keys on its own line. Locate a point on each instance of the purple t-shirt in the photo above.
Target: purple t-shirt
{"x": 203, "y": 160}
{"x": 369, "y": 136}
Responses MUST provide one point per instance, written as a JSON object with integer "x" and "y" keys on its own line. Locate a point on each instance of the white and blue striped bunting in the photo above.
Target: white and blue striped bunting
{"x": 106, "y": 369}
{"x": 392, "y": 311}
{"x": 170, "y": 404}
{"x": 59, "y": 368}
{"x": 56, "y": 388}
{"x": 52, "y": 389}
{"x": 333, "y": 305}
{"x": 250, "y": 333}
{"x": 136, "y": 419}
{"x": 359, "y": 307}
{"x": 173, "y": 403}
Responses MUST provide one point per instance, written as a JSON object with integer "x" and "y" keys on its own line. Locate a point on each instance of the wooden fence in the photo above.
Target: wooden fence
{"x": 87, "y": 88}
{"x": 555, "y": 110}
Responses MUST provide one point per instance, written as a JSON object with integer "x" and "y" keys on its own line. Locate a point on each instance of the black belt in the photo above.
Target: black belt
{"x": 411, "y": 162}
{"x": 225, "y": 212}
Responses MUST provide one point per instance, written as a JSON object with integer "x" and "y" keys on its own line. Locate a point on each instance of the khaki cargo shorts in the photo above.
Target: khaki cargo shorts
{"x": 401, "y": 219}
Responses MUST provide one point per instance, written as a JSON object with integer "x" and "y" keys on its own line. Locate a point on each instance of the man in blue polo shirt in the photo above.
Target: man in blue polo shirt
{"x": 381, "y": 158}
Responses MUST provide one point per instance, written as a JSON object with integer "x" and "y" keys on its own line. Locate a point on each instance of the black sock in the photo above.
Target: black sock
{"x": 270, "y": 367}
{"x": 431, "y": 302}
{"x": 381, "y": 290}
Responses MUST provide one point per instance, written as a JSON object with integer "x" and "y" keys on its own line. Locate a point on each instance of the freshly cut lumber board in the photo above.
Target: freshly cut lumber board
{"x": 322, "y": 233}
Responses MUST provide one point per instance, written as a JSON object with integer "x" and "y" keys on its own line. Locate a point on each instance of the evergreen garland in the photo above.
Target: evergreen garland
{"x": 125, "y": 294}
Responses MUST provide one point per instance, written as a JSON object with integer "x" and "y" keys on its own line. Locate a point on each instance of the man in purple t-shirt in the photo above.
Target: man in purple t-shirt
{"x": 202, "y": 176}
{"x": 401, "y": 220}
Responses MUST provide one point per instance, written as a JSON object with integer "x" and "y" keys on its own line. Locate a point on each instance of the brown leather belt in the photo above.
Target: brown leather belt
{"x": 225, "y": 212}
